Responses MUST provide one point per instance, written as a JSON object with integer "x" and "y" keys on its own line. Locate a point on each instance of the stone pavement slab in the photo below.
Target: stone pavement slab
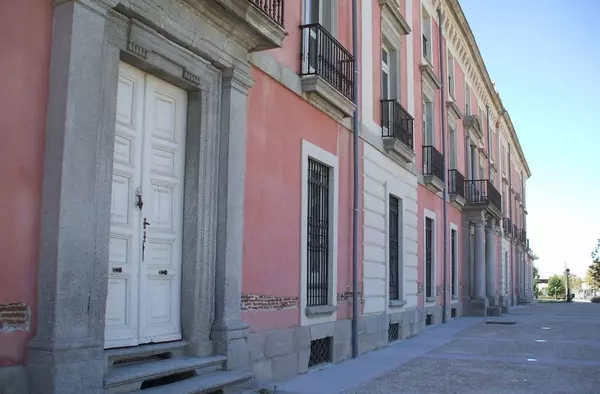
{"x": 552, "y": 348}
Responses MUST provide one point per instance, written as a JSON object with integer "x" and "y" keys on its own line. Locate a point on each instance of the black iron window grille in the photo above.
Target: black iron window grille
{"x": 429, "y": 257}
{"x": 320, "y": 351}
{"x": 394, "y": 290}
{"x": 456, "y": 183}
{"x": 393, "y": 332}
{"x": 433, "y": 162}
{"x": 454, "y": 257}
{"x": 324, "y": 56}
{"x": 273, "y": 9}
{"x": 318, "y": 234}
{"x": 507, "y": 226}
{"x": 425, "y": 50}
{"x": 396, "y": 122}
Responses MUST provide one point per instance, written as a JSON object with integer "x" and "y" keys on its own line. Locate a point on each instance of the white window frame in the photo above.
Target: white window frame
{"x": 427, "y": 31}
{"x": 431, "y": 215}
{"x": 453, "y": 147}
{"x": 394, "y": 189}
{"x": 316, "y": 153}
{"x": 388, "y": 69}
{"x": 454, "y": 227}
{"x": 427, "y": 103}
{"x": 451, "y": 75}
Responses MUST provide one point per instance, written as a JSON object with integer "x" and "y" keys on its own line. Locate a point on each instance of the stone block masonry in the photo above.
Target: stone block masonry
{"x": 14, "y": 316}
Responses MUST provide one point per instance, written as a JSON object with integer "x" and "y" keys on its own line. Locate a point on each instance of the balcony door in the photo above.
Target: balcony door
{"x": 322, "y": 12}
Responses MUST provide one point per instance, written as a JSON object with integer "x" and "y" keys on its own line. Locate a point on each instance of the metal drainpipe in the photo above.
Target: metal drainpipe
{"x": 445, "y": 175}
{"x": 355, "y": 124}
{"x": 510, "y": 206}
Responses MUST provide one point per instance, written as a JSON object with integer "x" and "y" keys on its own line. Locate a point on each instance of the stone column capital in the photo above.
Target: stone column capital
{"x": 237, "y": 79}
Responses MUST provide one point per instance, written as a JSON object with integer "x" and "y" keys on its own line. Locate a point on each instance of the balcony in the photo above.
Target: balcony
{"x": 433, "y": 168}
{"x": 523, "y": 237}
{"x": 397, "y": 130}
{"x": 258, "y": 22}
{"x": 482, "y": 194}
{"x": 515, "y": 232}
{"x": 507, "y": 227}
{"x": 456, "y": 188}
{"x": 327, "y": 72}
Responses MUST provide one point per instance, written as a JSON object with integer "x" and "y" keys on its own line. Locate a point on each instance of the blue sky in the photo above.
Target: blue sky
{"x": 545, "y": 58}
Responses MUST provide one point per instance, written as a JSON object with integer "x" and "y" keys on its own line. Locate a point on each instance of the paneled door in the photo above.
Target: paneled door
{"x": 144, "y": 284}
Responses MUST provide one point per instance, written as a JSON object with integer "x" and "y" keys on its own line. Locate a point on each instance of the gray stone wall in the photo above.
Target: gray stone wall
{"x": 279, "y": 355}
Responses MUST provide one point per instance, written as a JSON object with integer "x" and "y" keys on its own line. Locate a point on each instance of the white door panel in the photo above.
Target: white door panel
{"x": 144, "y": 286}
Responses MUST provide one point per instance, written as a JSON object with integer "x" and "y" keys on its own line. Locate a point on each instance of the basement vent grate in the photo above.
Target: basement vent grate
{"x": 429, "y": 320}
{"x": 167, "y": 380}
{"x": 453, "y": 312}
{"x": 320, "y": 351}
{"x": 393, "y": 332}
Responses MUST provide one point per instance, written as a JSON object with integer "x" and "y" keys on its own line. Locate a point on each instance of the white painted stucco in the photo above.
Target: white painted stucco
{"x": 383, "y": 176}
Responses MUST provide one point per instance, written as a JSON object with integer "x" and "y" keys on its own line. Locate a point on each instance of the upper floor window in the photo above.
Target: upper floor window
{"x": 385, "y": 73}
{"x": 390, "y": 77}
{"x": 450, "y": 75}
{"x": 427, "y": 36}
{"x": 428, "y": 136}
{"x": 323, "y": 12}
{"x": 452, "y": 138}
{"x": 467, "y": 100}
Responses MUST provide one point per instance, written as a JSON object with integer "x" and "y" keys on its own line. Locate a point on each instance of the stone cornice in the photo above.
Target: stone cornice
{"x": 458, "y": 31}
{"x": 392, "y": 7}
{"x": 453, "y": 108}
{"x": 429, "y": 74}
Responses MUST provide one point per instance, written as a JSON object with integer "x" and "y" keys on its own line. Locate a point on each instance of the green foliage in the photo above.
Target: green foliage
{"x": 593, "y": 274}
{"x": 536, "y": 279}
{"x": 556, "y": 286}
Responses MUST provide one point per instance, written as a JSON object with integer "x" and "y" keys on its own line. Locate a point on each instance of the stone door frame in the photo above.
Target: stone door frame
{"x": 90, "y": 38}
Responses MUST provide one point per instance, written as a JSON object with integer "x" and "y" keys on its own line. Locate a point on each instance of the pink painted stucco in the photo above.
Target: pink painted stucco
{"x": 24, "y": 81}
{"x": 272, "y": 221}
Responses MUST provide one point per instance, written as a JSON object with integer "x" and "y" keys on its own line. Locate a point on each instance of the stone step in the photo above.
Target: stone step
{"x": 130, "y": 377}
{"x": 229, "y": 381}
{"x": 494, "y": 311}
{"x": 139, "y": 353}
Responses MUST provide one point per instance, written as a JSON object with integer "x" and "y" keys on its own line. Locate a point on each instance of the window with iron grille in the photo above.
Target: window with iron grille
{"x": 429, "y": 257}
{"x": 454, "y": 257}
{"x": 317, "y": 282}
{"x": 393, "y": 332}
{"x": 394, "y": 245}
{"x": 320, "y": 351}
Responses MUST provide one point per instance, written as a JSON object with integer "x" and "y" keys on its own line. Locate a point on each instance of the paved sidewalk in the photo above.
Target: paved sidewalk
{"x": 552, "y": 348}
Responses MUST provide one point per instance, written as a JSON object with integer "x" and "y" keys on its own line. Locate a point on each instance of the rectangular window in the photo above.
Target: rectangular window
{"x": 385, "y": 73}
{"x": 394, "y": 248}
{"x": 428, "y": 123}
{"x": 450, "y": 74}
{"x": 467, "y": 100}
{"x": 427, "y": 41}
{"x": 453, "y": 152}
{"x": 317, "y": 283}
{"x": 429, "y": 291}
{"x": 454, "y": 257}
{"x": 322, "y": 12}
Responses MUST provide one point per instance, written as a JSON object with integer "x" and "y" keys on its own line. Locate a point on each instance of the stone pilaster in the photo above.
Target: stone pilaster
{"x": 480, "y": 267}
{"x": 229, "y": 332}
{"x": 66, "y": 355}
{"x": 490, "y": 260}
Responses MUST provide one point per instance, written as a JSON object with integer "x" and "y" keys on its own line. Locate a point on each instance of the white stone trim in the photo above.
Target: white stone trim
{"x": 454, "y": 226}
{"x": 398, "y": 192}
{"x": 433, "y": 216}
{"x": 410, "y": 75}
{"x": 366, "y": 61}
{"x": 314, "y": 152}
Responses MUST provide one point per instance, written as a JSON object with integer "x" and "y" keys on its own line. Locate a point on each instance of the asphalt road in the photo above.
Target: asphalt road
{"x": 551, "y": 348}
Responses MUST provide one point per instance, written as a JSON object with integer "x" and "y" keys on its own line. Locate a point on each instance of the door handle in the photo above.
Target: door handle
{"x": 163, "y": 272}
{"x": 139, "y": 203}
{"x": 117, "y": 269}
{"x": 146, "y": 224}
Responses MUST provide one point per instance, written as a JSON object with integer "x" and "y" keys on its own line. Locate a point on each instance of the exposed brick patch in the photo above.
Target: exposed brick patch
{"x": 346, "y": 297}
{"x": 257, "y": 302}
{"x": 420, "y": 288}
{"x": 14, "y": 316}
{"x": 439, "y": 290}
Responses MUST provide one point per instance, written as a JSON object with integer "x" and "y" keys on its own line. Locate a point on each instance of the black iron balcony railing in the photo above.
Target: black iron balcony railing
{"x": 507, "y": 226}
{"x": 528, "y": 244}
{"x": 523, "y": 236}
{"x": 515, "y": 232}
{"x": 396, "y": 122}
{"x": 482, "y": 192}
{"x": 324, "y": 56}
{"x": 456, "y": 183}
{"x": 273, "y": 9}
{"x": 433, "y": 162}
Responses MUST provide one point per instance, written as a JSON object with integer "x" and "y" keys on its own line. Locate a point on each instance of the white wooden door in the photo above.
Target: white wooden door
{"x": 144, "y": 290}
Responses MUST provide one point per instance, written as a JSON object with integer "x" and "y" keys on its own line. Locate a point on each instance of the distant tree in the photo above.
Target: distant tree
{"x": 593, "y": 274}
{"x": 576, "y": 283}
{"x": 556, "y": 286}
{"x": 536, "y": 280}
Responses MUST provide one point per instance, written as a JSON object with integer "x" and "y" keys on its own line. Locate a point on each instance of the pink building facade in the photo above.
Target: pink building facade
{"x": 182, "y": 188}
